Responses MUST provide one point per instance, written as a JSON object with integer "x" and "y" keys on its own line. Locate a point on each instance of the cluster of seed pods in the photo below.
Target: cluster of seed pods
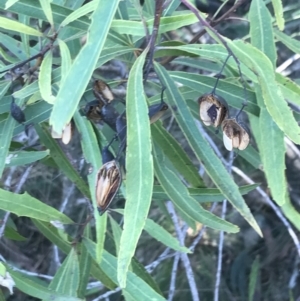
{"x": 109, "y": 176}
{"x": 214, "y": 112}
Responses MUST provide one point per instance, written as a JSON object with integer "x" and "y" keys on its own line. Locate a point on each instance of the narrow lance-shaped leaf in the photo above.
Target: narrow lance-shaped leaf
{"x": 204, "y": 153}
{"x": 177, "y": 155}
{"x": 31, "y": 287}
{"x": 139, "y": 167}
{"x": 18, "y": 27}
{"x": 66, "y": 279}
{"x": 26, "y": 205}
{"x": 5, "y": 138}
{"x": 178, "y": 193}
{"x": 81, "y": 71}
{"x": 45, "y": 78}
{"x": 270, "y": 136}
{"x": 135, "y": 286}
{"x": 261, "y": 30}
{"x": 66, "y": 60}
{"x": 275, "y": 103}
{"x": 92, "y": 154}
{"x": 278, "y": 9}
{"x": 46, "y": 6}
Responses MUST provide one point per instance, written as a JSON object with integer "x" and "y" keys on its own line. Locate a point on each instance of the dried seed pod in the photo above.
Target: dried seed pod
{"x": 156, "y": 111}
{"x": 92, "y": 111}
{"x": 235, "y": 134}
{"x": 213, "y": 109}
{"x": 16, "y": 112}
{"x": 108, "y": 182}
{"x": 102, "y": 91}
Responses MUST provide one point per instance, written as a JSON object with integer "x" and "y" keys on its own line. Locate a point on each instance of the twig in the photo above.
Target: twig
{"x": 107, "y": 294}
{"x": 149, "y": 60}
{"x": 221, "y": 239}
{"x": 183, "y": 256}
{"x": 173, "y": 277}
{"x": 220, "y": 255}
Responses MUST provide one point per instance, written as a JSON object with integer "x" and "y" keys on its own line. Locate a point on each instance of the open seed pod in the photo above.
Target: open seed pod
{"x": 235, "y": 134}
{"x": 108, "y": 182}
{"x": 213, "y": 109}
{"x": 92, "y": 111}
{"x": 102, "y": 91}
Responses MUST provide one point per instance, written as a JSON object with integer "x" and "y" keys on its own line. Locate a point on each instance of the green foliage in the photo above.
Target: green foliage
{"x": 70, "y": 45}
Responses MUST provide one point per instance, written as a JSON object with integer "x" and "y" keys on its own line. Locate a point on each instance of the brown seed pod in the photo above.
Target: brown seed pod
{"x": 102, "y": 91}
{"x": 108, "y": 182}
{"x": 235, "y": 134}
{"x": 213, "y": 109}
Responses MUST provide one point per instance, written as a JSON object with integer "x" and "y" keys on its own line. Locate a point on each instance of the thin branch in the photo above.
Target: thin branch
{"x": 221, "y": 238}
{"x": 183, "y": 256}
{"x": 220, "y": 255}
{"x": 149, "y": 60}
{"x": 173, "y": 277}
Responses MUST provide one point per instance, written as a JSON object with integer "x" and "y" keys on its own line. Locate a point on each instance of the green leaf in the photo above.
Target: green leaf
{"x": 23, "y": 157}
{"x": 61, "y": 159}
{"x": 176, "y": 155}
{"x": 278, "y": 9}
{"x": 45, "y": 78}
{"x": 66, "y": 279}
{"x": 139, "y": 168}
{"x": 178, "y": 193}
{"x": 81, "y": 11}
{"x": 18, "y": 27}
{"x": 201, "y": 195}
{"x": 272, "y": 148}
{"x": 203, "y": 151}
{"x": 26, "y": 205}
{"x": 163, "y": 236}
{"x": 275, "y": 103}
{"x": 290, "y": 89}
{"x": 32, "y": 287}
{"x": 288, "y": 41}
{"x": 291, "y": 212}
{"x": 92, "y": 155}
{"x": 253, "y": 279}
{"x": 85, "y": 264}
{"x": 135, "y": 286}
{"x": 5, "y": 139}
{"x": 33, "y": 9}
{"x": 117, "y": 233}
{"x": 12, "y": 234}
{"x": 60, "y": 239}
{"x": 261, "y": 29}
{"x": 66, "y": 60}
{"x": 82, "y": 69}
{"x": 135, "y": 266}
{"x": 45, "y": 4}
